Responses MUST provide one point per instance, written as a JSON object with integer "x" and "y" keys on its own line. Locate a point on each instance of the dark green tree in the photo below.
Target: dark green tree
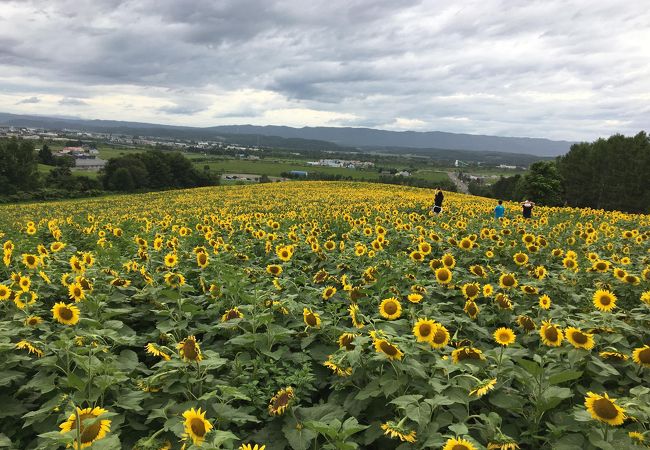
{"x": 543, "y": 184}
{"x": 45, "y": 156}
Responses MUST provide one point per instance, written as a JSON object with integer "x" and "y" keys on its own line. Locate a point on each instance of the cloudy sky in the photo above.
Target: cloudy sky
{"x": 551, "y": 68}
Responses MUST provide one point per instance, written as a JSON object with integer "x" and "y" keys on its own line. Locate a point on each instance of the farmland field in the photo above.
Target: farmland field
{"x": 316, "y": 315}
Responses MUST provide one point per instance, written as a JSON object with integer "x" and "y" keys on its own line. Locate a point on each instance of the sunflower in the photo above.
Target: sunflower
{"x": 196, "y": 425}
{"x": 189, "y": 349}
{"x": 613, "y": 356}
{"x": 92, "y": 429}
{"x": 252, "y": 447}
{"x": 443, "y": 275}
{"x": 232, "y": 314}
{"x": 544, "y": 302}
{"x": 471, "y": 309}
{"x": 311, "y": 318}
{"x": 579, "y": 339}
{"x": 171, "y": 260}
{"x": 5, "y": 292}
{"x": 503, "y": 444}
{"x": 637, "y": 437}
{"x": 398, "y": 431}
{"x": 448, "y": 260}
{"x": 425, "y": 247}
{"x": 488, "y": 290}
{"x": 641, "y": 356}
{"x": 202, "y": 260}
{"x": 328, "y": 292}
{"x": 390, "y": 308}
{"x": 414, "y": 298}
{"x": 353, "y": 309}
{"x": 346, "y": 341}
{"x": 458, "y": 444}
{"x": 483, "y": 388}
{"x": 600, "y": 266}
{"x": 466, "y": 244}
{"x": 478, "y": 270}
{"x": 604, "y": 409}
{"x": 527, "y": 289}
{"x": 31, "y": 261}
{"x": 274, "y": 269}
{"x": 66, "y": 314}
{"x": 508, "y": 281}
{"x": 604, "y": 300}
{"x": 26, "y": 345}
{"x": 335, "y": 367}
{"x": 76, "y": 292}
{"x": 24, "y": 283}
{"x": 122, "y": 282}
{"x": 503, "y": 301}
{"x": 526, "y": 323}
{"x": 551, "y": 334}
{"x": 153, "y": 350}
{"x": 471, "y": 290}
{"x": 423, "y": 330}
{"x": 439, "y": 337}
{"x": 504, "y": 336}
{"x": 388, "y": 349}
{"x": 520, "y": 258}
{"x": 280, "y": 401}
{"x": 32, "y": 321}
{"x": 539, "y": 272}
{"x": 465, "y": 353}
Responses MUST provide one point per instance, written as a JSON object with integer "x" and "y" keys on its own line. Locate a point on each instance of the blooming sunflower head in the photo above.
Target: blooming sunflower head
{"x": 504, "y": 336}
{"x": 458, "y": 444}
{"x": 66, "y": 314}
{"x": 424, "y": 330}
{"x": 579, "y": 339}
{"x": 196, "y": 425}
{"x": 390, "y": 350}
{"x": 551, "y": 334}
{"x": 604, "y": 300}
{"x": 91, "y": 427}
{"x": 604, "y": 409}
{"x": 641, "y": 356}
{"x": 311, "y": 318}
{"x": 439, "y": 337}
{"x": 390, "y": 308}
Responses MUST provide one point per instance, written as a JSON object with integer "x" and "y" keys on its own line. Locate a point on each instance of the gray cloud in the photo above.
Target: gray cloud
{"x": 29, "y": 100}
{"x": 573, "y": 70}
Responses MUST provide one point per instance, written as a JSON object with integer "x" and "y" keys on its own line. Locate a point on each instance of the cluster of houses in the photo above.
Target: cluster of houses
{"x": 84, "y": 158}
{"x": 342, "y": 163}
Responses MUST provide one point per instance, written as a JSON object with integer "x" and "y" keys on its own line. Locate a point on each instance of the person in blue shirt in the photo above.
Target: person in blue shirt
{"x": 499, "y": 210}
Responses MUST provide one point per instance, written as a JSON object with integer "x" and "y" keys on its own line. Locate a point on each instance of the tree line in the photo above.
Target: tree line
{"x": 609, "y": 174}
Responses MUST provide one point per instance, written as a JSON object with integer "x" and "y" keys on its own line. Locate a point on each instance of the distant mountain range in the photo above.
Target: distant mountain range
{"x": 341, "y": 136}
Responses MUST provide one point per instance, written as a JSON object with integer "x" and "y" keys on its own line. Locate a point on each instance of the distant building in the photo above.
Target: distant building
{"x": 298, "y": 173}
{"x": 90, "y": 164}
{"x": 403, "y": 173}
{"x": 505, "y": 166}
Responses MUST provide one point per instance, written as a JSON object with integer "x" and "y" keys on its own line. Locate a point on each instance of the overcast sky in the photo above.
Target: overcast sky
{"x": 572, "y": 70}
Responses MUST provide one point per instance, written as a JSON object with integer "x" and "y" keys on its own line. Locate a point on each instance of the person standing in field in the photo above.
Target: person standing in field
{"x": 499, "y": 210}
{"x": 437, "y": 201}
{"x": 527, "y": 209}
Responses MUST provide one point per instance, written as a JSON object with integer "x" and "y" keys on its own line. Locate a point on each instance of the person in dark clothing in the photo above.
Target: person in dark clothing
{"x": 437, "y": 201}
{"x": 527, "y": 209}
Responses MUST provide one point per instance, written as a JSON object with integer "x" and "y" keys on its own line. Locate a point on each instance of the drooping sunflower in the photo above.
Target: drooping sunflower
{"x": 478, "y": 270}
{"x": 91, "y": 427}
{"x": 66, "y": 314}
{"x": 483, "y": 388}
{"x": 503, "y": 301}
{"x": 154, "y": 350}
{"x": 390, "y": 350}
{"x": 32, "y": 321}
{"x": 190, "y": 349}
{"x": 526, "y": 323}
{"x": 423, "y": 330}
{"x": 604, "y": 300}
{"x": 337, "y": 368}
{"x": 471, "y": 309}
{"x": 396, "y": 430}
{"x": 579, "y": 339}
{"x": 503, "y": 444}
{"x": 232, "y": 314}
{"x": 637, "y": 438}
{"x": 504, "y": 336}
{"x": 196, "y": 425}
{"x": 527, "y": 289}
{"x": 353, "y": 309}
{"x": 466, "y": 353}
{"x": 390, "y": 308}
{"x": 551, "y": 334}
{"x": 440, "y": 337}
{"x": 604, "y": 409}
{"x": 641, "y": 356}
{"x": 544, "y": 301}
{"x": 508, "y": 281}
{"x": 26, "y": 345}
{"x": 346, "y": 341}
{"x": 613, "y": 356}
{"x": 310, "y": 318}
{"x": 274, "y": 269}
{"x": 443, "y": 275}
{"x": 471, "y": 290}
{"x": 280, "y": 401}
{"x": 458, "y": 444}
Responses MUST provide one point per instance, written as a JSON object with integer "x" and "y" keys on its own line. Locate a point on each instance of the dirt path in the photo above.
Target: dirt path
{"x": 462, "y": 187}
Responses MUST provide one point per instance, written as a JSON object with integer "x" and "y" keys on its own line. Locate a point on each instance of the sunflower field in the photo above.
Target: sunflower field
{"x": 315, "y": 315}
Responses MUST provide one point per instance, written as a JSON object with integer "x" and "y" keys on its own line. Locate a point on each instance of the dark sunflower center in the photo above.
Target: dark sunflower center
{"x": 202, "y": 258}
{"x": 579, "y": 337}
{"x": 66, "y": 313}
{"x": 605, "y": 409}
{"x": 390, "y": 308}
{"x": 459, "y": 447}
{"x": 77, "y": 292}
{"x": 468, "y": 353}
{"x": 387, "y": 348}
{"x": 601, "y": 266}
{"x": 471, "y": 310}
{"x": 89, "y": 433}
{"x": 471, "y": 291}
{"x": 346, "y": 341}
{"x": 508, "y": 281}
{"x": 439, "y": 337}
{"x": 198, "y": 427}
{"x": 311, "y": 320}
{"x": 232, "y": 314}
{"x": 443, "y": 275}
{"x": 504, "y": 337}
{"x": 644, "y": 356}
{"x": 605, "y": 300}
{"x": 282, "y": 400}
{"x": 189, "y": 350}
{"x": 425, "y": 329}
{"x": 551, "y": 334}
